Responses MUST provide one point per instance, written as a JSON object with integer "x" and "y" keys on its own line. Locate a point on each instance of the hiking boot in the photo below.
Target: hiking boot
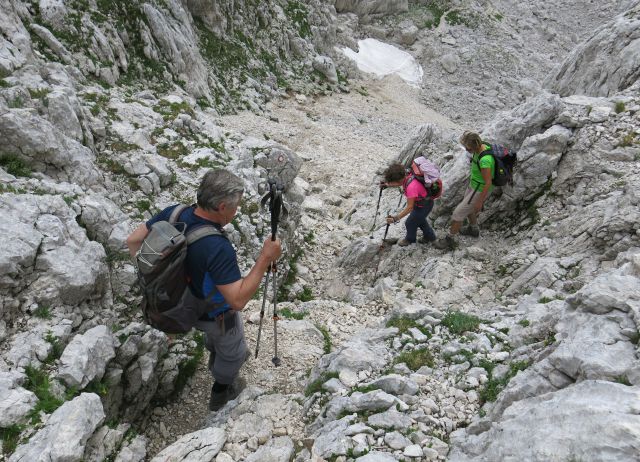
{"x": 446, "y": 243}
{"x": 424, "y": 240}
{"x": 219, "y": 399}
{"x": 470, "y": 231}
{"x": 403, "y": 243}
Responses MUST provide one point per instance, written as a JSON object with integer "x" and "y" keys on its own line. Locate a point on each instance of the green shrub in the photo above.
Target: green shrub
{"x": 316, "y": 385}
{"x": 403, "y": 324}
{"x": 14, "y": 165}
{"x": 170, "y": 111}
{"x": 415, "y": 359}
{"x": 524, "y": 322}
{"x": 327, "y": 338}
{"x": 42, "y": 312}
{"x": 619, "y": 107}
{"x": 545, "y": 300}
{"x": 38, "y": 93}
{"x": 38, "y": 383}
{"x": 287, "y": 313}
{"x": 494, "y": 386}
{"x": 458, "y": 322}
{"x": 306, "y": 294}
{"x": 298, "y": 14}
{"x": 465, "y": 354}
{"x": 172, "y": 151}
{"x": 10, "y": 436}
{"x": 187, "y": 368}
{"x": 309, "y": 238}
{"x": 627, "y": 140}
{"x": 98, "y": 387}
{"x": 143, "y": 205}
{"x": 56, "y": 348}
{"x": 623, "y": 380}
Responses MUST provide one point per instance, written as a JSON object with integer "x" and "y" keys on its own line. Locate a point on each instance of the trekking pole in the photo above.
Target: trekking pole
{"x": 376, "y": 215}
{"x": 269, "y": 196}
{"x": 264, "y": 302}
{"x": 275, "y": 217}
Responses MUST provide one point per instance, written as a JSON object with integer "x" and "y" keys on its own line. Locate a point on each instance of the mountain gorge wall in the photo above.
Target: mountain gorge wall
{"x": 111, "y": 110}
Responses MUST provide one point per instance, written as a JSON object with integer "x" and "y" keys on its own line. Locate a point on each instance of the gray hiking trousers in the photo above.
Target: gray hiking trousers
{"x": 227, "y": 346}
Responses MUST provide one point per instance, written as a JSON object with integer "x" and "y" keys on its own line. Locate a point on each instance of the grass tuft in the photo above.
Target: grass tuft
{"x": 10, "y": 436}
{"x": 38, "y": 383}
{"x": 327, "y": 338}
{"x": 404, "y": 323}
{"x": 316, "y": 385}
{"x": 458, "y": 322}
{"x": 494, "y": 386}
{"x": 415, "y": 359}
{"x": 188, "y": 368}
{"x": 14, "y": 165}
{"x": 288, "y": 314}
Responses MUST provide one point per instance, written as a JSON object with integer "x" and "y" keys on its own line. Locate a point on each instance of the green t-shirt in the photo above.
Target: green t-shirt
{"x": 477, "y": 182}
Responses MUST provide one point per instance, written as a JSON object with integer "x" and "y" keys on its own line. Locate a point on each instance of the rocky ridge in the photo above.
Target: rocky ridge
{"x": 427, "y": 380}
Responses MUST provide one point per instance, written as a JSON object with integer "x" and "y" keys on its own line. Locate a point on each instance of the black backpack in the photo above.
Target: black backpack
{"x": 505, "y": 164}
{"x": 167, "y": 302}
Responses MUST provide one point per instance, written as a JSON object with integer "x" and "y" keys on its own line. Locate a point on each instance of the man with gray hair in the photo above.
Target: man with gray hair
{"x": 215, "y": 281}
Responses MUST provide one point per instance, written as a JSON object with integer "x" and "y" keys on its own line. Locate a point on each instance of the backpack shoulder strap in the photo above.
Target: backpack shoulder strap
{"x": 175, "y": 213}
{"x": 203, "y": 231}
{"x": 486, "y": 152}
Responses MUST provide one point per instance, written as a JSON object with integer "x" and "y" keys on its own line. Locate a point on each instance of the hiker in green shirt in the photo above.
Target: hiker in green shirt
{"x": 482, "y": 170}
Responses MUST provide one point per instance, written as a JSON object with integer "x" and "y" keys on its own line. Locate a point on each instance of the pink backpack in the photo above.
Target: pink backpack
{"x": 427, "y": 173}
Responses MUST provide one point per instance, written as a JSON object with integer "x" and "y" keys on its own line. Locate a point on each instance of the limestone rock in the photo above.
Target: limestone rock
{"x": 276, "y": 450}
{"x": 371, "y": 7}
{"x": 15, "y": 401}
{"x": 600, "y": 418}
{"x": 200, "y": 446}
{"x": 604, "y": 64}
{"x": 326, "y": 67}
{"x": 396, "y": 385}
{"x": 66, "y": 432}
{"x": 86, "y": 357}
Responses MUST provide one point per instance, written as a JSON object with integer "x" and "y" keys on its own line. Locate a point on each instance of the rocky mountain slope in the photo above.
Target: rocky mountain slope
{"x": 520, "y": 345}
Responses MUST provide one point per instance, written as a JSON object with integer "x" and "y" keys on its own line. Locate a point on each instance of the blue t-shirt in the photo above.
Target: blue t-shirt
{"x": 211, "y": 261}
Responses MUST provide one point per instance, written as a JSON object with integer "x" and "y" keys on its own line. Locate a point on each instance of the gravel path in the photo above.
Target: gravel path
{"x": 338, "y": 136}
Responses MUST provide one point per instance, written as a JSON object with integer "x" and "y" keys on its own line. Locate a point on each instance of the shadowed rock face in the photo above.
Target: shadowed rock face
{"x": 605, "y": 64}
{"x": 371, "y": 7}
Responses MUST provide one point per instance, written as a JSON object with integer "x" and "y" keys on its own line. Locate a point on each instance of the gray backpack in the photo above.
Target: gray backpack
{"x": 167, "y": 302}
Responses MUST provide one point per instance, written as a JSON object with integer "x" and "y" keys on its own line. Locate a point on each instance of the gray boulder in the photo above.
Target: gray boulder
{"x": 64, "y": 436}
{"x": 599, "y": 419}
{"x": 105, "y": 221}
{"x": 377, "y": 456}
{"x": 200, "y": 446}
{"x": 326, "y": 67}
{"x": 15, "y": 401}
{"x": 279, "y": 449}
{"x": 85, "y": 358}
{"x": 523, "y": 121}
{"x": 365, "y": 351}
{"x": 390, "y": 419}
{"x": 45, "y": 149}
{"x": 332, "y": 439}
{"x": 133, "y": 451}
{"x": 396, "y": 385}
{"x": 48, "y": 255}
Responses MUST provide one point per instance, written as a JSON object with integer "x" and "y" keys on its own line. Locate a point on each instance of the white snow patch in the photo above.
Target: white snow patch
{"x": 382, "y": 59}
